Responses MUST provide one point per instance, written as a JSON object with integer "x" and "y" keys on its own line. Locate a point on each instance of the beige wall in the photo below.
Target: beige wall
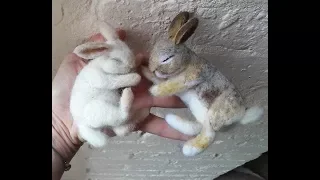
{"x": 233, "y": 33}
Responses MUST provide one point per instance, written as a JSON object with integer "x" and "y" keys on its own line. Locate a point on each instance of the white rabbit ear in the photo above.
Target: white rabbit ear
{"x": 91, "y": 50}
{"x": 108, "y": 31}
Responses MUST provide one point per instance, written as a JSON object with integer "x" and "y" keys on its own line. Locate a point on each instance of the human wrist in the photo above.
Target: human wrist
{"x": 64, "y": 142}
{"x": 58, "y": 166}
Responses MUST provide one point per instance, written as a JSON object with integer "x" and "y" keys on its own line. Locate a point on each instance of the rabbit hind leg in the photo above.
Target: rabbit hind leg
{"x": 184, "y": 126}
{"x": 201, "y": 142}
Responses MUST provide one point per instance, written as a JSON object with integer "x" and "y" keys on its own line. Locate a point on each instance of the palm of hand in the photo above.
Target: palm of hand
{"x": 61, "y": 91}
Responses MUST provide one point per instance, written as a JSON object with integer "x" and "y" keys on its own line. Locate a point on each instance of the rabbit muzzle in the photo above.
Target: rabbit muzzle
{"x": 161, "y": 75}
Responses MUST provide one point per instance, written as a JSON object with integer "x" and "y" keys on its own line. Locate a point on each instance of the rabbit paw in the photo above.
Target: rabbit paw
{"x": 135, "y": 78}
{"x": 126, "y": 100}
{"x": 198, "y": 144}
{"x": 122, "y": 130}
{"x": 149, "y": 75}
{"x": 146, "y": 72}
{"x": 154, "y": 90}
{"x": 189, "y": 150}
{"x": 195, "y": 146}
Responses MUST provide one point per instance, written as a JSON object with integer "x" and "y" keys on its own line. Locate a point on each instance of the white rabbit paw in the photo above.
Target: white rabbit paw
{"x": 126, "y": 99}
{"x": 136, "y": 78}
{"x": 122, "y": 130}
{"x": 154, "y": 90}
{"x": 189, "y": 150}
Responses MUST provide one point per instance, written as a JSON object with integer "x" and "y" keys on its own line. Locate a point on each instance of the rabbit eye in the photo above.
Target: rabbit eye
{"x": 116, "y": 59}
{"x": 167, "y": 58}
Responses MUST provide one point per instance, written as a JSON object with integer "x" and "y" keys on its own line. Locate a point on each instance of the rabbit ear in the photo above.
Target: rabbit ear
{"x": 91, "y": 50}
{"x": 186, "y": 31}
{"x": 108, "y": 31}
{"x": 176, "y": 23}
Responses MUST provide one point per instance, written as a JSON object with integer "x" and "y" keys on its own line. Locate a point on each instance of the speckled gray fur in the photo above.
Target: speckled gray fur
{"x": 211, "y": 97}
{"x": 213, "y": 82}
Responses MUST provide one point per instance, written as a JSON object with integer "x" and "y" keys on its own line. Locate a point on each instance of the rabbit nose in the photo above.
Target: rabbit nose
{"x": 153, "y": 70}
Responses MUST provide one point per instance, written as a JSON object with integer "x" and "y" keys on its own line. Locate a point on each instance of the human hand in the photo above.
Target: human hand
{"x": 64, "y": 133}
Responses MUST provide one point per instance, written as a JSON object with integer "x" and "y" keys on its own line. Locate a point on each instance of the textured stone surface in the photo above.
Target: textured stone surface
{"x": 233, "y": 33}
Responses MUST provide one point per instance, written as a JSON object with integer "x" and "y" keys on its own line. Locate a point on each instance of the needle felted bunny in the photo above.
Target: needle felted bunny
{"x": 212, "y": 98}
{"x": 96, "y": 99}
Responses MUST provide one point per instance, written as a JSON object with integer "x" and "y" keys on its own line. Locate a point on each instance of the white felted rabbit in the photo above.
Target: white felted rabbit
{"x": 96, "y": 98}
{"x": 211, "y": 97}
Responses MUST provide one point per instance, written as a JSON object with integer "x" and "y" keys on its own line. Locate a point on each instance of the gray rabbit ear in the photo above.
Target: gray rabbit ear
{"x": 186, "y": 31}
{"x": 177, "y": 23}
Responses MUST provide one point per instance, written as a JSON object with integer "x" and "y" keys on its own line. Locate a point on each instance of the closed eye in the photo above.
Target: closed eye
{"x": 116, "y": 59}
{"x": 167, "y": 58}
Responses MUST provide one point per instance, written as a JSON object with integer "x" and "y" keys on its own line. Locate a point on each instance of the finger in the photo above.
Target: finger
{"x": 109, "y": 132}
{"x": 139, "y": 59}
{"x": 146, "y": 100}
{"x": 143, "y": 58}
{"x": 156, "y": 125}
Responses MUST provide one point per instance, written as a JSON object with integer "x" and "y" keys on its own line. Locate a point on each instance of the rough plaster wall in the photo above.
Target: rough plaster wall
{"x": 233, "y": 33}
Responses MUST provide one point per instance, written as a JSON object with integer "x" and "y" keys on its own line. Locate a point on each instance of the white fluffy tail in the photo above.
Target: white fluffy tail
{"x": 94, "y": 137}
{"x": 252, "y": 114}
{"x": 108, "y": 31}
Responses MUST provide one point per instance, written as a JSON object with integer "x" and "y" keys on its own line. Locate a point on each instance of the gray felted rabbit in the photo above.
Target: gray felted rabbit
{"x": 212, "y": 98}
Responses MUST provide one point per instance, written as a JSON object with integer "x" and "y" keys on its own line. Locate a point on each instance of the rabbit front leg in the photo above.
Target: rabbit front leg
{"x": 124, "y": 80}
{"x": 150, "y": 76}
{"x": 174, "y": 86}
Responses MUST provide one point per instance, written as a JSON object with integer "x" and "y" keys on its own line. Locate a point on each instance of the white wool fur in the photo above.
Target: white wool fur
{"x": 252, "y": 114}
{"x": 96, "y": 101}
{"x": 108, "y": 32}
{"x": 184, "y": 126}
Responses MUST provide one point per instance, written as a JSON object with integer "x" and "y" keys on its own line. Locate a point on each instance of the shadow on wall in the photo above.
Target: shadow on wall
{"x": 79, "y": 165}
{"x": 253, "y": 170}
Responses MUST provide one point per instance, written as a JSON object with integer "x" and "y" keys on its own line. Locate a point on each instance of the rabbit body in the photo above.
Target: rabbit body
{"x": 96, "y": 101}
{"x": 211, "y": 97}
